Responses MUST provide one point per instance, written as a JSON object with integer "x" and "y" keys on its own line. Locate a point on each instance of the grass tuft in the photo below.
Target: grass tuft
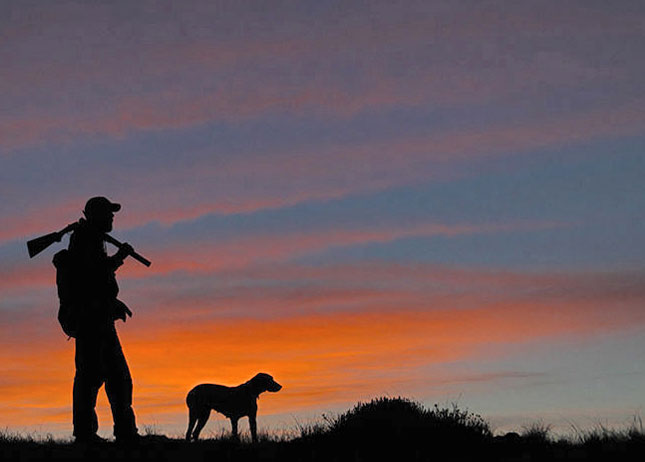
{"x": 538, "y": 432}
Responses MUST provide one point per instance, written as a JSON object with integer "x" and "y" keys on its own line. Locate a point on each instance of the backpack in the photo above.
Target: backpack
{"x": 68, "y": 306}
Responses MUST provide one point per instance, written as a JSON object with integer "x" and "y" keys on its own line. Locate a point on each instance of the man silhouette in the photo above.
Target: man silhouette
{"x": 99, "y": 358}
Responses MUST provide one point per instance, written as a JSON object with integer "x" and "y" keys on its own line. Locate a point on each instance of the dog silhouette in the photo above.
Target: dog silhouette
{"x": 233, "y": 402}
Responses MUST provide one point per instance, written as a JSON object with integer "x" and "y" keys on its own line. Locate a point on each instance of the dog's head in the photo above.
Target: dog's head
{"x": 264, "y": 382}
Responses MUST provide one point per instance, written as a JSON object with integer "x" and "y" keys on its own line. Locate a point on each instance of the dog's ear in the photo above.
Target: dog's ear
{"x": 257, "y": 384}
{"x": 262, "y": 380}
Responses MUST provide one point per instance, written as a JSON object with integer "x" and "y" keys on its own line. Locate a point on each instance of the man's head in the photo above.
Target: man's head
{"x": 99, "y": 212}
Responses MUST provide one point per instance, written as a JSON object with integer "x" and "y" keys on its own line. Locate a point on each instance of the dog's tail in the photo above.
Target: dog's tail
{"x": 192, "y": 413}
{"x": 190, "y": 398}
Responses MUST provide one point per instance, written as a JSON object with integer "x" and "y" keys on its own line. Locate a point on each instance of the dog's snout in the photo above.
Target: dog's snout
{"x": 275, "y": 386}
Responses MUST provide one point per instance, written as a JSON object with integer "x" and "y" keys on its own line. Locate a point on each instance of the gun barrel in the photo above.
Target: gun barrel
{"x": 133, "y": 254}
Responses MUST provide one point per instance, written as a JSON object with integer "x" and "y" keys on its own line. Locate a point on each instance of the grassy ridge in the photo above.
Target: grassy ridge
{"x": 394, "y": 429}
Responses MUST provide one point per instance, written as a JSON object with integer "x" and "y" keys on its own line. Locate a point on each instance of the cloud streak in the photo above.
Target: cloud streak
{"x": 178, "y": 81}
{"x": 205, "y": 254}
{"x": 251, "y": 183}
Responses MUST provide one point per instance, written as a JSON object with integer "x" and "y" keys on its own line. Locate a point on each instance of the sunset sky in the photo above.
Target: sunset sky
{"x": 443, "y": 200}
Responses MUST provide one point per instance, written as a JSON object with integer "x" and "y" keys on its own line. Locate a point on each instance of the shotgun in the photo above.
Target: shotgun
{"x": 37, "y": 245}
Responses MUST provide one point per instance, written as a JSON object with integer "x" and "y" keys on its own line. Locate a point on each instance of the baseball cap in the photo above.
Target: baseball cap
{"x": 100, "y": 204}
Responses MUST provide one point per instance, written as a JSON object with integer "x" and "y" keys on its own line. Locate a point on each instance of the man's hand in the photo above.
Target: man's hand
{"x": 125, "y": 250}
{"x": 121, "y": 310}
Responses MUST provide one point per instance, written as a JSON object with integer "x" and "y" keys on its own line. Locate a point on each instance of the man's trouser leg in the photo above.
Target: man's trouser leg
{"x": 87, "y": 382}
{"x": 118, "y": 387}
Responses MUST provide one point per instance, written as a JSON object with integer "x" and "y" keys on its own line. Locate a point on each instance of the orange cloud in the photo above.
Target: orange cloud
{"x": 321, "y": 359}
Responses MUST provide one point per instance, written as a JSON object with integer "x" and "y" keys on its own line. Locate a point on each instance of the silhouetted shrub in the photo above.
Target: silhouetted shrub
{"x": 401, "y": 417}
{"x": 400, "y": 428}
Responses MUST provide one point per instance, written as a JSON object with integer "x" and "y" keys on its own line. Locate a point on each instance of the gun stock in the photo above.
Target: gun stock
{"x": 37, "y": 245}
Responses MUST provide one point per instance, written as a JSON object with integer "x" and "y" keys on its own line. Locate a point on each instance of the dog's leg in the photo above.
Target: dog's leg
{"x": 234, "y": 427}
{"x": 192, "y": 419}
{"x": 254, "y": 428}
{"x": 202, "y": 418}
